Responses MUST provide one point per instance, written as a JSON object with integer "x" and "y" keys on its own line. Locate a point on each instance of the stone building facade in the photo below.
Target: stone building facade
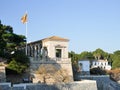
{"x": 51, "y": 50}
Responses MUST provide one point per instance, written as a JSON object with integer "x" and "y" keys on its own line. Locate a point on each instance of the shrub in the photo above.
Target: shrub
{"x": 97, "y": 71}
{"x": 17, "y": 66}
{"x": 19, "y": 62}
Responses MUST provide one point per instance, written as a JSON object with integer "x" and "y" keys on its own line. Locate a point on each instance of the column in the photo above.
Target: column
{"x": 28, "y": 50}
{"x": 32, "y": 51}
{"x": 35, "y": 51}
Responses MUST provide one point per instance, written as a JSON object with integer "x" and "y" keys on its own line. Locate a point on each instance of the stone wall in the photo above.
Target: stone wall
{"x": 103, "y": 82}
{"x": 51, "y": 48}
{"x": 5, "y": 86}
{"x": 61, "y": 64}
{"x": 2, "y": 74}
{"x": 81, "y": 85}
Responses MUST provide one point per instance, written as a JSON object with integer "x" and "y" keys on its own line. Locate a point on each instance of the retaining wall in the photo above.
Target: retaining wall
{"x": 80, "y": 85}
{"x": 103, "y": 81}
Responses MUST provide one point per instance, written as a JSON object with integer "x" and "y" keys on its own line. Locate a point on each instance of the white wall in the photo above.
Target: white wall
{"x": 85, "y": 65}
{"x": 101, "y": 64}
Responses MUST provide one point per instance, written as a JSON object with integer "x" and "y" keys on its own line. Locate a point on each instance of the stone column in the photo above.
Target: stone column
{"x": 28, "y": 50}
{"x": 38, "y": 50}
{"x": 35, "y": 51}
{"x": 32, "y": 51}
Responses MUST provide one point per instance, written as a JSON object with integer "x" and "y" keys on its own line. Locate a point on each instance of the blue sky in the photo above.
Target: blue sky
{"x": 89, "y": 24}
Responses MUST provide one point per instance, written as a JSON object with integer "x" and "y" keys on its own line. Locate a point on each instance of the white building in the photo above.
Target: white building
{"x": 103, "y": 64}
{"x": 84, "y": 67}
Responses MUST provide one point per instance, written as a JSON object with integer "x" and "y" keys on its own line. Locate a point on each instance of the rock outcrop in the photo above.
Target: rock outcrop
{"x": 51, "y": 74}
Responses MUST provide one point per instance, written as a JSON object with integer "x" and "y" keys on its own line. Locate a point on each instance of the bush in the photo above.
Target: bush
{"x": 17, "y": 66}
{"x": 19, "y": 62}
{"x": 97, "y": 71}
{"x": 20, "y": 56}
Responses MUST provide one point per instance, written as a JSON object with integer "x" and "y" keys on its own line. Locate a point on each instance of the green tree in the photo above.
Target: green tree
{"x": 19, "y": 62}
{"x": 17, "y": 66}
{"x": 100, "y": 54}
{"x": 20, "y": 57}
{"x": 73, "y": 56}
{"x": 9, "y": 41}
{"x": 110, "y": 58}
{"x": 116, "y": 59}
{"x": 117, "y": 52}
{"x": 86, "y": 55}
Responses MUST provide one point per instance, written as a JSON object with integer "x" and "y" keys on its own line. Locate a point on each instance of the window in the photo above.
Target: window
{"x": 95, "y": 64}
{"x": 58, "y": 53}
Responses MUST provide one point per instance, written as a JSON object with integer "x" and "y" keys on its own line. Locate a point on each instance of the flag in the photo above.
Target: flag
{"x": 24, "y": 18}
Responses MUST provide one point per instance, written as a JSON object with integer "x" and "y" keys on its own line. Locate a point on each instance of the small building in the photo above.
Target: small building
{"x": 51, "y": 50}
{"x": 84, "y": 67}
{"x": 103, "y": 64}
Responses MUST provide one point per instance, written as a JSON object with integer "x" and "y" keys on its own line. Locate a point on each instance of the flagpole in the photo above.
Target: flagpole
{"x": 24, "y": 21}
{"x": 26, "y": 37}
{"x": 26, "y": 32}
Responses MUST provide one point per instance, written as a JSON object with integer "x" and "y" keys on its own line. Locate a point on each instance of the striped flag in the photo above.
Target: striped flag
{"x": 24, "y": 19}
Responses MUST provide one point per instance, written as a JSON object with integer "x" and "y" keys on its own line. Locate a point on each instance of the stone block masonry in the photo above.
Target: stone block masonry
{"x": 79, "y": 85}
{"x": 62, "y": 64}
{"x": 2, "y": 74}
{"x": 103, "y": 82}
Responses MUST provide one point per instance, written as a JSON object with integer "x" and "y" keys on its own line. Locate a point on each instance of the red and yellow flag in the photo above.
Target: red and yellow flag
{"x": 24, "y": 19}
